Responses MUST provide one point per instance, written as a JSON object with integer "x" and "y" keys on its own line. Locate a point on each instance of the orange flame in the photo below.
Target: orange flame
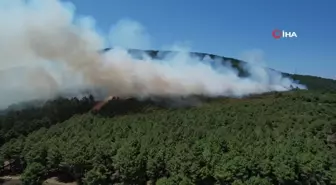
{"x": 99, "y": 105}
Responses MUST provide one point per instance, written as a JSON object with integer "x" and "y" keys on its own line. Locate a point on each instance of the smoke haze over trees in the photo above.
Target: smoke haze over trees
{"x": 58, "y": 53}
{"x": 182, "y": 117}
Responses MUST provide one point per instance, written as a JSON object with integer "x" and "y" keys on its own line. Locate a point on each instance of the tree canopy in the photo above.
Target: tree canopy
{"x": 276, "y": 138}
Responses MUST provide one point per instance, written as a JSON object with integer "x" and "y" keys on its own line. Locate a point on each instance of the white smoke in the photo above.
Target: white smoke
{"x": 127, "y": 33}
{"x": 46, "y": 50}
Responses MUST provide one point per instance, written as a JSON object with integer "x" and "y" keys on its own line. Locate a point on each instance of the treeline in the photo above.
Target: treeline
{"x": 278, "y": 138}
{"x": 315, "y": 83}
{"x": 22, "y": 119}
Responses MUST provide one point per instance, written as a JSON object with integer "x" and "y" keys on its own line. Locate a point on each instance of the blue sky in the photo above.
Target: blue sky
{"x": 230, "y": 27}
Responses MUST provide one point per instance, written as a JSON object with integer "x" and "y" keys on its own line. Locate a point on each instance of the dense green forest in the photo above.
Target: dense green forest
{"x": 275, "y": 138}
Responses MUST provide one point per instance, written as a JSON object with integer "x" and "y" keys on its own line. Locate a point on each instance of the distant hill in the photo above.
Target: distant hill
{"x": 312, "y": 82}
{"x": 315, "y": 83}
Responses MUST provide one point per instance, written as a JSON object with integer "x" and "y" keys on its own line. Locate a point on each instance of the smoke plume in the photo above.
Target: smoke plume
{"x": 46, "y": 50}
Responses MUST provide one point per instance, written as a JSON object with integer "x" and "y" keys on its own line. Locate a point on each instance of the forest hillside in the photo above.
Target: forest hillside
{"x": 275, "y": 138}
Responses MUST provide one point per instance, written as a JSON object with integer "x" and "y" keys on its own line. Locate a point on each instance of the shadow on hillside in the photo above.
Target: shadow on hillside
{"x": 123, "y": 107}
{"x": 134, "y": 106}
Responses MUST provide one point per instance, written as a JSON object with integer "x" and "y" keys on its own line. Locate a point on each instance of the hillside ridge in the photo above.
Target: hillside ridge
{"x": 312, "y": 82}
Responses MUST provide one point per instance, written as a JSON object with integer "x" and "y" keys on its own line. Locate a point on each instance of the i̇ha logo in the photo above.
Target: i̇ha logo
{"x": 277, "y": 34}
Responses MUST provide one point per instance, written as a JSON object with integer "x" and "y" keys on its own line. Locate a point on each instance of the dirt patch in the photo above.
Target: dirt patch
{"x": 54, "y": 181}
{"x": 15, "y": 180}
{"x": 10, "y": 180}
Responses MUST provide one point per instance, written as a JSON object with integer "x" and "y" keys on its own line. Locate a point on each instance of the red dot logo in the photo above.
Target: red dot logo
{"x": 276, "y": 34}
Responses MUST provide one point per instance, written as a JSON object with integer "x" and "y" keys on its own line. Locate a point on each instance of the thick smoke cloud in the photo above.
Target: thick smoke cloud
{"x": 46, "y": 50}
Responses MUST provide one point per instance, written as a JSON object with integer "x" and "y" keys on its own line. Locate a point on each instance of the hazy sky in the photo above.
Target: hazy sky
{"x": 230, "y": 27}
